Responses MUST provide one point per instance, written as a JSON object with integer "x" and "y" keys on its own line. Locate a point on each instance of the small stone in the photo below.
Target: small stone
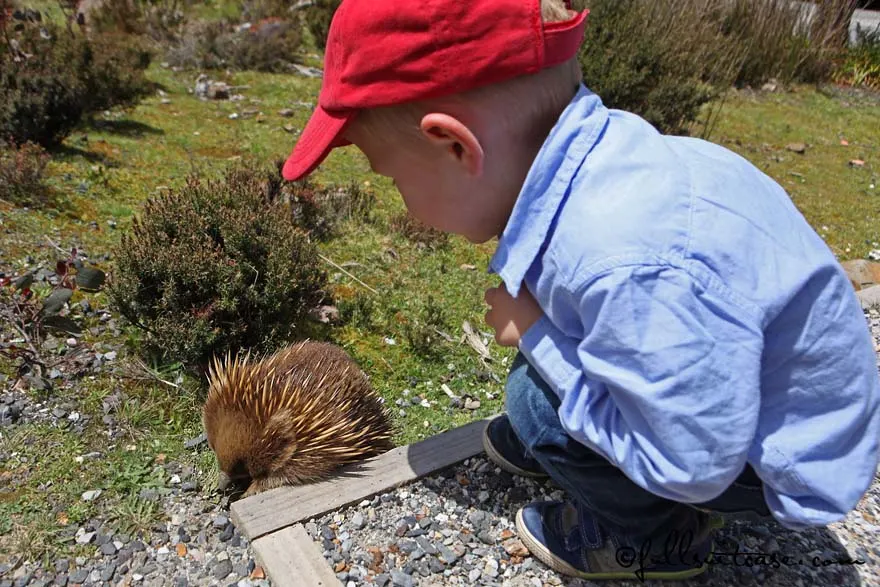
{"x": 108, "y": 549}
{"x": 799, "y": 148}
{"x": 491, "y": 568}
{"x": 227, "y": 533}
{"x": 474, "y": 575}
{"x": 514, "y": 547}
{"x": 400, "y": 579}
{"x": 91, "y": 495}
{"x": 472, "y": 404}
{"x": 85, "y": 538}
{"x": 220, "y": 522}
{"x": 285, "y": 112}
{"x": 222, "y": 569}
{"x": 62, "y": 565}
{"x": 78, "y": 576}
{"x": 108, "y": 572}
{"x": 357, "y": 521}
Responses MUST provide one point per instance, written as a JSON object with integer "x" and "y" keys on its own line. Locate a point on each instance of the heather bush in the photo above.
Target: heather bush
{"x": 51, "y": 77}
{"x": 318, "y": 17}
{"x": 216, "y": 267}
{"x": 321, "y": 209}
{"x": 666, "y": 59}
{"x": 271, "y": 45}
{"x": 21, "y": 175}
{"x": 157, "y": 19}
{"x": 422, "y": 235}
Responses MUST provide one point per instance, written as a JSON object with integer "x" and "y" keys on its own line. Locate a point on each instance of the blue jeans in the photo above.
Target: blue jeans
{"x": 632, "y": 513}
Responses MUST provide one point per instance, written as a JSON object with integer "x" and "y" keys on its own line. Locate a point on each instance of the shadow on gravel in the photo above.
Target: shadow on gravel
{"x": 748, "y": 553}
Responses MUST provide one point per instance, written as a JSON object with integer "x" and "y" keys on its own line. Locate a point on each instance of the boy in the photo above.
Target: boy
{"x": 687, "y": 343}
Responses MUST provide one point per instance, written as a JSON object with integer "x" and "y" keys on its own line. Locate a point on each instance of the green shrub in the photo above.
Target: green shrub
{"x": 21, "y": 175}
{"x": 421, "y": 332}
{"x": 271, "y": 45}
{"x": 653, "y": 58}
{"x": 215, "y": 267}
{"x": 50, "y": 78}
{"x": 157, "y": 19}
{"x": 422, "y": 235}
{"x": 318, "y": 17}
{"x": 666, "y": 59}
{"x": 861, "y": 63}
{"x": 778, "y": 39}
{"x": 322, "y": 209}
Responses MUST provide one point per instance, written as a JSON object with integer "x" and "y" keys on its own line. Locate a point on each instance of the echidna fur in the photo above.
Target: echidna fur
{"x": 292, "y": 417}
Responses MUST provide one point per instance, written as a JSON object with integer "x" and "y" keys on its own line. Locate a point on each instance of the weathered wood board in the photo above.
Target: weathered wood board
{"x": 292, "y": 559}
{"x": 274, "y": 510}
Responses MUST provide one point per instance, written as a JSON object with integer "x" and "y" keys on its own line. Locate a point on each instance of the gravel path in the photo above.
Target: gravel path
{"x": 452, "y": 528}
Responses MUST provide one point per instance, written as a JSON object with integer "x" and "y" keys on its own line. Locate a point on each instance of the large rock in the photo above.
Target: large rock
{"x": 862, "y": 273}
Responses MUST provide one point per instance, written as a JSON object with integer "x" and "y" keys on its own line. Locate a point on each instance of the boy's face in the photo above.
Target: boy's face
{"x": 441, "y": 181}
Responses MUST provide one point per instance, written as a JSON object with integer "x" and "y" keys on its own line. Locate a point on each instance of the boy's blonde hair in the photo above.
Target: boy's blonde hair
{"x": 523, "y": 107}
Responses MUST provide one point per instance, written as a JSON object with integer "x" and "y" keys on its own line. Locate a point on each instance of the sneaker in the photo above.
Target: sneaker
{"x": 505, "y": 450}
{"x": 569, "y": 540}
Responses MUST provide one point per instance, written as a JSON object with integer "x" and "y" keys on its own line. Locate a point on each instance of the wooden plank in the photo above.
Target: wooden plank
{"x": 272, "y": 510}
{"x": 292, "y": 559}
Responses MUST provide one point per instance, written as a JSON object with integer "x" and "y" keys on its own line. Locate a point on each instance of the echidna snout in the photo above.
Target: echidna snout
{"x": 293, "y": 417}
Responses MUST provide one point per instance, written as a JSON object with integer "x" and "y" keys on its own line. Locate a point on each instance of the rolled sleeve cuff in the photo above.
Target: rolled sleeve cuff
{"x": 552, "y": 354}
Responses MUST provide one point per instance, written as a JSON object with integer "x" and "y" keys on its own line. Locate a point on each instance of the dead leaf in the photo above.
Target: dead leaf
{"x": 468, "y": 267}
{"x": 62, "y": 518}
{"x": 258, "y": 573}
{"x": 160, "y": 459}
{"x": 844, "y": 142}
{"x": 856, "y": 163}
{"x": 181, "y": 549}
{"x": 474, "y": 341}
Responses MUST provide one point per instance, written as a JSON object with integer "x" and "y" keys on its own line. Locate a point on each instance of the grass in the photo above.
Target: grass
{"x": 108, "y": 168}
{"x": 841, "y": 201}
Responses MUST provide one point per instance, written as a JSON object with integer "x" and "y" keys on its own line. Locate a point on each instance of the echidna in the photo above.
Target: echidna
{"x": 291, "y": 418}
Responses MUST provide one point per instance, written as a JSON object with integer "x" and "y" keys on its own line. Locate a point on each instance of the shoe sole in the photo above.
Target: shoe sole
{"x": 543, "y": 554}
{"x": 506, "y": 465}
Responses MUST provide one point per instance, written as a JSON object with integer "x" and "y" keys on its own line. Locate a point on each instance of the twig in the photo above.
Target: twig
{"x": 154, "y": 375}
{"x": 55, "y": 245}
{"x": 347, "y": 273}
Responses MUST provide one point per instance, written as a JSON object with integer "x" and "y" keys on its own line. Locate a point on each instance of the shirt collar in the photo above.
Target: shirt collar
{"x": 573, "y": 136}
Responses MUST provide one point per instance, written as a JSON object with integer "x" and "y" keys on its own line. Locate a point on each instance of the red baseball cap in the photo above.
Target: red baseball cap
{"x": 387, "y": 52}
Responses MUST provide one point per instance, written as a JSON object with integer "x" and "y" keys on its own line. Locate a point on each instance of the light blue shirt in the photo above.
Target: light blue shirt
{"x": 694, "y": 321}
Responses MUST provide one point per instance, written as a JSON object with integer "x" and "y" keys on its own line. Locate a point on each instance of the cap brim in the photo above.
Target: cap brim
{"x": 321, "y": 135}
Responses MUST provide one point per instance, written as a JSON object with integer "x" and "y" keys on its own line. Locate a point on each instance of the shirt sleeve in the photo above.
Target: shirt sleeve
{"x": 661, "y": 377}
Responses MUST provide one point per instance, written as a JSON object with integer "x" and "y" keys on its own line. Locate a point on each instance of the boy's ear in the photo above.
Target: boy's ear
{"x": 454, "y": 137}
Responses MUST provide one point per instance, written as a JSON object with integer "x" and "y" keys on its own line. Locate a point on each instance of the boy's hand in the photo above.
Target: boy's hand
{"x": 511, "y": 317}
